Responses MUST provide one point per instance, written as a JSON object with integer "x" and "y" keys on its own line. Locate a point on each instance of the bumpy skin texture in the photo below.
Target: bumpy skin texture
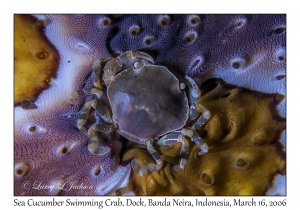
{"x": 36, "y": 60}
{"x": 50, "y": 152}
{"x": 246, "y": 50}
{"x": 245, "y": 154}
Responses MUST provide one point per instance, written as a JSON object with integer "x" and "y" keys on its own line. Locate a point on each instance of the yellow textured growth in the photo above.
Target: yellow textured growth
{"x": 244, "y": 151}
{"x": 35, "y": 58}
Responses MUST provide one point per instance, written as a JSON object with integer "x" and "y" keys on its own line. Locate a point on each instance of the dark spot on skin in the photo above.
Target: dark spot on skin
{"x": 135, "y": 76}
{"x": 19, "y": 171}
{"x": 280, "y": 30}
{"x": 133, "y": 33}
{"x": 147, "y": 41}
{"x": 241, "y": 162}
{"x": 97, "y": 171}
{"x": 280, "y": 77}
{"x": 32, "y": 129}
{"x": 190, "y": 37}
{"x": 134, "y": 30}
{"x": 69, "y": 61}
{"x": 22, "y": 170}
{"x": 164, "y": 20}
{"x": 281, "y": 58}
{"x": 239, "y": 23}
{"x": 105, "y": 22}
{"x": 41, "y": 55}
{"x": 236, "y": 65}
{"x": 64, "y": 150}
{"x": 195, "y": 63}
{"x": 195, "y": 19}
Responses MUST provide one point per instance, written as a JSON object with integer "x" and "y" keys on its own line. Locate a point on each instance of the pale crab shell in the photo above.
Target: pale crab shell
{"x": 147, "y": 102}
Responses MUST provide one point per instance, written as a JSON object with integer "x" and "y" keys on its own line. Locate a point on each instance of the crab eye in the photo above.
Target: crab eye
{"x": 182, "y": 86}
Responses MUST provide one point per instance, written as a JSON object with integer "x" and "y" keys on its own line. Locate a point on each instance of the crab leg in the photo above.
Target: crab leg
{"x": 84, "y": 92}
{"x": 102, "y": 111}
{"x": 96, "y": 145}
{"x": 96, "y": 77}
{"x": 194, "y": 95}
{"x": 178, "y": 136}
{"x": 97, "y": 70}
{"x": 82, "y": 118}
{"x": 197, "y": 139}
{"x": 99, "y": 108}
{"x": 144, "y": 170}
{"x": 173, "y": 138}
{"x": 202, "y": 119}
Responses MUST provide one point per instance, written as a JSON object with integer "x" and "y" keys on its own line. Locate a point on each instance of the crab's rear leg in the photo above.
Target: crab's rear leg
{"x": 144, "y": 170}
{"x": 178, "y": 136}
{"x": 194, "y": 95}
{"x": 101, "y": 110}
{"x": 96, "y": 78}
{"x": 97, "y": 65}
{"x": 197, "y": 139}
{"x": 96, "y": 145}
{"x": 85, "y": 92}
{"x": 202, "y": 119}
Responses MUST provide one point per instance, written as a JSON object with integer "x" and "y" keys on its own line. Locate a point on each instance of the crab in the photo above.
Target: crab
{"x": 148, "y": 105}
